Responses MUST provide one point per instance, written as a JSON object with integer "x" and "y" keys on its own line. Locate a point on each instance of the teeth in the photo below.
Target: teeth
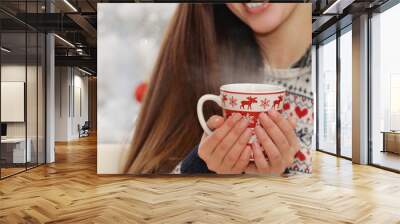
{"x": 254, "y": 4}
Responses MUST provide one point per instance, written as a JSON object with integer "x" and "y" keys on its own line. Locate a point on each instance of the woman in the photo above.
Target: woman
{"x": 209, "y": 45}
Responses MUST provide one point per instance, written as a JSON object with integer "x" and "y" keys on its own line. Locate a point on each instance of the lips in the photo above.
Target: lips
{"x": 256, "y": 7}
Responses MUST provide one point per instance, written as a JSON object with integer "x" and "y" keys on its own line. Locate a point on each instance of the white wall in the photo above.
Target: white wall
{"x": 16, "y": 73}
{"x": 13, "y": 101}
{"x": 12, "y": 73}
{"x": 61, "y": 103}
{"x": 80, "y": 83}
{"x": 69, "y": 84}
{"x": 33, "y": 126}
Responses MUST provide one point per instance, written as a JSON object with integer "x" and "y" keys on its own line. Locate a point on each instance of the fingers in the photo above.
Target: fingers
{"x": 293, "y": 122}
{"x": 243, "y": 161}
{"x": 237, "y": 151}
{"x": 273, "y": 153}
{"x": 215, "y": 122}
{"x": 251, "y": 169}
{"x": 284, "y": 125}
{"x": 287, "y": 129}
{"x": 226, "y": 149}
{"x": 211, "y": 142}
{"x": 259, "y": 159}
{"x": 274, "y": 131}
{"x": 230, "y": 139}
{"x": 278, "y": 132}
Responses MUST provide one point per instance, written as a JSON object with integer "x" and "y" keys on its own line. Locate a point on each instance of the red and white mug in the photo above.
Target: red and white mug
{"x": 248, "y": 99}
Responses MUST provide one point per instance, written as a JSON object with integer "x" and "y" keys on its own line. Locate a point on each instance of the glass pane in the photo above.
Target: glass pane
{"x": 13, "y": 86}
{"x": 41, "y": 98}
{"x": 385, "y": 115}
{"x": 31, "y": 100}
{"x": 346, "y": 94}
{"x": 327, "y": 97}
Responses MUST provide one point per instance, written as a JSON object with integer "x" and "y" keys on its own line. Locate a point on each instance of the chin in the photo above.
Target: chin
{"x": 262, "y": 18}
{"x": 261, "y": 27}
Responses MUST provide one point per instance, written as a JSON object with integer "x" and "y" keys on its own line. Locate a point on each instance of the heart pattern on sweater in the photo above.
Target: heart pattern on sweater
{"x": 301, "y": 112}
{"x": 299, "y": 155}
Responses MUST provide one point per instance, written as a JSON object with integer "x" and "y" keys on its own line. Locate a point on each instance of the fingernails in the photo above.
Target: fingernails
{"x": 243, "y": 124}
{"x": 216, "y": 120}
{"x": 245, "y": 120}
{"x": 236, "y": 117}
{"x": 273, "y": 113}
{"x": 263, "y": 116}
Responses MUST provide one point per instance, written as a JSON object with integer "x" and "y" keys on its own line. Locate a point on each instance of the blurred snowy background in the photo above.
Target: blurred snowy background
{"x": 129, "y": 37}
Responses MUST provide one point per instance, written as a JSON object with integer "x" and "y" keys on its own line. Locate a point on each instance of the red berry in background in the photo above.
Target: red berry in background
{"x": 140, "y": 91}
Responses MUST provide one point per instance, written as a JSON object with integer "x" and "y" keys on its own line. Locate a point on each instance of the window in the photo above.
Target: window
{"x": 22, "y": 78}
{"x": 346, "y": 93}
{"x": 385, "y": 89}
{"x": 327, "y": 96}
{"x": 394, "y": 102}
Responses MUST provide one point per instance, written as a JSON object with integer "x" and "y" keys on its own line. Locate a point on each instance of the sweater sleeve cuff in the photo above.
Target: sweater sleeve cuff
{"x": 193, "y": 164}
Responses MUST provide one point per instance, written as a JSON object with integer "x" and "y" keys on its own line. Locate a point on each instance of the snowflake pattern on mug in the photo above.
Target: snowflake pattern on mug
{"x": 249, "y": 118}
{"x": 233, "y": 101}
{"x": 264, "y": 103}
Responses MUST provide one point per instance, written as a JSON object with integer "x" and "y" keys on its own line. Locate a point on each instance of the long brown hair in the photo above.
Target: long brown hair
{"x": 205, "y": 46}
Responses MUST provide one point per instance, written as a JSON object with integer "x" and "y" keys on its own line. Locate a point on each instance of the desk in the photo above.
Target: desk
{"x": 15, "y": 148}
{"x": 391, "y": 141}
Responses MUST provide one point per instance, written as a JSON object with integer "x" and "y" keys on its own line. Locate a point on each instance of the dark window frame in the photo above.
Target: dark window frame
{"x": 334, "y": 37}
{"x": 30, "y": 29}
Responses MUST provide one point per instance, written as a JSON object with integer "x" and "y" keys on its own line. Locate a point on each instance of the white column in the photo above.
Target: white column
{"x": 50, "y": 99}
{"x": 360, "y": 90}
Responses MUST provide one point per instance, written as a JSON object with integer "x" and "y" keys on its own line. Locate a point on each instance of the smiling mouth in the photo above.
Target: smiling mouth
{"x": 256, "y": 7}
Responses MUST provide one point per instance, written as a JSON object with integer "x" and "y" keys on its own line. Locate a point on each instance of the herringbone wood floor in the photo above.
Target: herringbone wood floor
{"x": 69, "y": 191}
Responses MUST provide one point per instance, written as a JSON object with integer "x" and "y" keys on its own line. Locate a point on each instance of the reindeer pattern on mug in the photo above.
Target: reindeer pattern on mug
{"x": 250, "y": 106}
{"x": 244, "y": 102}
{"x": 250, "y": 100}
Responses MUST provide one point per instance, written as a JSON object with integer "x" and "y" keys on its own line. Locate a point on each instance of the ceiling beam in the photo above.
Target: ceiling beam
{"x": 82, "y": 61}
{"x": 84, "y": 24}
{"x": 320, "y": 22}
{"x": 337, "y": 7}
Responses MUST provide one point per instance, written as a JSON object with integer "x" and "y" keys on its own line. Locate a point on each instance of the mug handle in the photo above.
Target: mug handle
{"x": 200, "y": 114}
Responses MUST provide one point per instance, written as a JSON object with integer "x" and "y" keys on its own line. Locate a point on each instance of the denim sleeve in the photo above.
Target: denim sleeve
{"x": 193, "y": 164}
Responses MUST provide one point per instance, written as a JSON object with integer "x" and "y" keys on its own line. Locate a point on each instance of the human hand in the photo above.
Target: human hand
{"x": 279, "y": 142}
{"x": 226, "y": 151}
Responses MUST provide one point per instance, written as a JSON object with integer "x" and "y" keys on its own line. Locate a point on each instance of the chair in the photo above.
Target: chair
{"x": 84, "y": 130}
